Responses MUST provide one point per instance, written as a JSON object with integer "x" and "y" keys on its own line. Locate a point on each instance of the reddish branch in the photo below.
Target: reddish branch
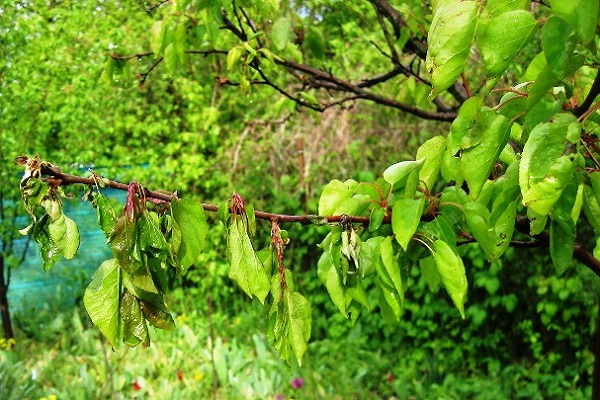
{"x": 59, "y": 178}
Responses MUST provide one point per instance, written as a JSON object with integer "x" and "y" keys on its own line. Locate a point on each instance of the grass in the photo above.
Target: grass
{"x": 62, "y": 357}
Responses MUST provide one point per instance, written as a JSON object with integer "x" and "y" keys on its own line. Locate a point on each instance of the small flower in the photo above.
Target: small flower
{"x": 136, "y": 386}
{"x": 33, "y": 374}
{"x": 390, "y": 377}
{"x": 297, "y": 383}
{"x": 198, "y": 376}
{"x": 279, "y": 396}
{"x": 179, "y": 375}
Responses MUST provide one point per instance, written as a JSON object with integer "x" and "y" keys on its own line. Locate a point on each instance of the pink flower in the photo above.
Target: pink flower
{"x": 297, "y": 383}
{"x": 136, "y": 386}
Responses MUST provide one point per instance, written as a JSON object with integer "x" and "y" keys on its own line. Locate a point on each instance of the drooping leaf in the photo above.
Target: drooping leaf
{"x": 430, "y": 272}
{"x": 135, "y": 330}
{"x": 562, "y": 239}
{"x": 450, "y": 39}
{"x": 102, "y": 300}
{"x": 392, "y": 272}
{"x": 452, "y": 272}
{"x": 124, "y": 243}
{"x": 64, "y": 233}
{"x": 157, "y": 37}
{"x": 245, "y": 266}
{"x": 50, "y": 252}
{"x": 406, "y": 215}
{"x": 106, "y": 216}
{"x": 191, "y": 219}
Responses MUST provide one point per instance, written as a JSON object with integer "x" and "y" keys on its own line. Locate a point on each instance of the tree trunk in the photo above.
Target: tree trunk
{"x": 596, "y": 348}
{"x": 4, "y": 309}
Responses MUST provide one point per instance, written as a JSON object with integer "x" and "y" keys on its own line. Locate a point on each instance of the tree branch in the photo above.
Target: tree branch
{"x": 589, "y": 99}
{"x": 580, "y": 253}
{"x": 57, "y": 178}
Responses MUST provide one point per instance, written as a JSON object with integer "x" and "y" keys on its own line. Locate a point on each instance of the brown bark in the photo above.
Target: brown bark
{"x": 4, "y": 308}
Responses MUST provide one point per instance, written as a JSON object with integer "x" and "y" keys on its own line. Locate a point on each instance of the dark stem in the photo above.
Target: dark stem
{"x": 589, "y": 100}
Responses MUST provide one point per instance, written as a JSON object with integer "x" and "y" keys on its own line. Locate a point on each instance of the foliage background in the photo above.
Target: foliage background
{"x": 527, "y": 332}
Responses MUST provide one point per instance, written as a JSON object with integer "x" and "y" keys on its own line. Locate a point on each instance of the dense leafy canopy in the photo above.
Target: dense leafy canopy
{"x": 517, "y": 80}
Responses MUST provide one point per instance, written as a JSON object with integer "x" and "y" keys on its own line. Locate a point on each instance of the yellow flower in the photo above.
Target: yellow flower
{"x": 198, "y": 376}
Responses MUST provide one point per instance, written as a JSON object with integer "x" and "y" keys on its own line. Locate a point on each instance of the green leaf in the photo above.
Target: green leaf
{"x": 432, "y": 151}
{"x": 106, "y": 216}
{"x": 558, "y": 45}
{"x": 281, "y": 33}
{"x": 328, "y": 274}
{"x": 562, "y": 239}
{"x": 315, "y": 43}
{"x": 340, "y": 198}
{"x": 497, "y": 7}
{"x": 450, "y": 38}
{"x": 289, "y": 326}
{"x": 50, "y": 252}
{"x": 477, "y": 161}
{"x": 33, "y": 191}
{"x": 452, "y": 272}
{"x": 397, "y": 174}
{"x": 392, "y": 272}
{"x": 376, "y": 218}
{"x": 245, "y": 266}
{"x": 233, "y": 56}
{"x": 430, "y": 272}
{"x": 124, "y": 243}
{"x": 102, "y": 300}
{"x": 582, "y": 15}
{"x": 370, "y": 256}
{"x": 157, "y": 37}
{"x": 171, "y": 58}
{"x": 500, "y": 39}
{"x": 191, "y": 219}
{"x": 544, "y": 171}
{"x": 493, "y": 236}
{"x": 406, "y": 215}
{"x": 591, "y": 208}
{"x": 135, "y": 330}
{"x": 65, "y": 235}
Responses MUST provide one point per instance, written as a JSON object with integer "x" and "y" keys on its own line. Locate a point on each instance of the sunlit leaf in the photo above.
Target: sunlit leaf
{"x": 406, "y": 215}
{"x": 450, "y": 39}
{"x": 191, "y": 220}
{"x": 102, "y": 300}
{"x": 245, "y": 267}
{"x": 502, "y": 37}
